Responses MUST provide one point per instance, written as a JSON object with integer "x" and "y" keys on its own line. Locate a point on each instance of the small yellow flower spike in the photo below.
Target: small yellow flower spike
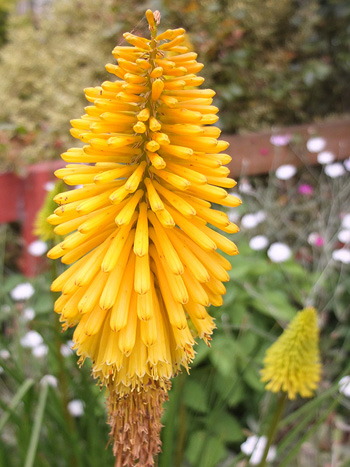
{"x": 42, "y": 229}
{"x": 292, "y": 363}
{"x": 143, "y": 261}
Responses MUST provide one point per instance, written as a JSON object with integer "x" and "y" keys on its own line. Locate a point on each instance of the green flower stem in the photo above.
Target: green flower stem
{"x": 273, "y": 427}
{"x": 2, "y": 252}
{"x": 309, "y": 433}
{"x": 169, "y": 432}
{"x": 309, "y": 406}
{"x": 61, "y": 376}
{"x": 181, "y": 439}
{"x": 34, "y": 439}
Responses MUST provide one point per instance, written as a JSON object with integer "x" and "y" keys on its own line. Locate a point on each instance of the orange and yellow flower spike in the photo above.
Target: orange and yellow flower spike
{"x": 142, "y": 255}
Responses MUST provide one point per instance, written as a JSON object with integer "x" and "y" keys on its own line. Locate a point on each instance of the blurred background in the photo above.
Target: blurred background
{"x": 281, "y": 71}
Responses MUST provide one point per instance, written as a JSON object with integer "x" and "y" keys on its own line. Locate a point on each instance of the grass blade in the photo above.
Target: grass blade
{"x": 24, "y": 388}
{"x": 34, "y": 439}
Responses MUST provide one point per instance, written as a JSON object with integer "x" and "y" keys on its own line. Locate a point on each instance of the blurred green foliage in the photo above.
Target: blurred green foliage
{"x": 209, "y": 413}
{"x": 206, "y": 413}
{"x": 281, "y": 63}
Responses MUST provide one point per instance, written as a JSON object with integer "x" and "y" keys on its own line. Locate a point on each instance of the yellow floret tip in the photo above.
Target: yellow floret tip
{"x": 292, "y": 364}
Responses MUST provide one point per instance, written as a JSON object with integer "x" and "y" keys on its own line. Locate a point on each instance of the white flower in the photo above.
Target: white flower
{"x": 259, "y": 242}
{"x": 325, "y": 157}
{"x": 245, "y": 187}
{"x": 345, "y": 223}
{"x": 49, "y": 186}
{"x": 66, "y": 349}
{"x": 347, "y": 164}
{"x": 279, "y": 252}
{"x": 31, "y": 340}
{"x": 344, "y": 386}
{"x": 344, "y": 236}
{"x": 50, "y": 380}
{"x": 315, "y": 239}
{"x": 37, "y": 248}
{"x": 255, "y": 447}
{"x": 22, "y": 291}
{"x": 76, "y": 408}
{"x": 250, "y": 221}
{"x": 342, "y": 255}
{"x": 316, "y": 144}
{"x": 334, "y": 170}
{"x": 261, "y": 216}
{"x": 285, "y": 172}
{"x": 5, "y": 354}
{"x": 40, "y": 351}
{"x": 1, "y": 370}
{"x": 28, "y": 314}
{"x": 280, "y": 140}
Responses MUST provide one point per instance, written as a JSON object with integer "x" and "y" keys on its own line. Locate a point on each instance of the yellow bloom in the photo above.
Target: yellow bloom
{"x": 143, "y": 261}
{"x": 292, "y": 363}
{"x": 41, "y": 228}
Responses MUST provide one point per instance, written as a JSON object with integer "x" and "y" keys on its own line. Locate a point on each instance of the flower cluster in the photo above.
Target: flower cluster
{"x": 292, "y": 363}
{"x": 143, "y": 260}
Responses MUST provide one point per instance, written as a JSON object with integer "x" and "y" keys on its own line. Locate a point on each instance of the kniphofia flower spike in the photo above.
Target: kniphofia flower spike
{"x": 292, "y": 363}
{"x": 143, "y": 260}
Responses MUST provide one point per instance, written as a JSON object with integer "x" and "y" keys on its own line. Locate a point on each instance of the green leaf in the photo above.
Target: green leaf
{"x": 195, "y": 397}
{"x": 229, "y": 389}
{"x": 202, "y": 352}
{"x": 205, "y": 450}
{"x": 214, "y": 451}
{"x": 224, "y": 354}
{"x": 224, "y": 426}
{"x": 43, "y": 304}
{"x": 274, "y": 303}
{"x": 195, "y": 447}
{"x": 247, "y": 342}
{"x": 252, "y": 378}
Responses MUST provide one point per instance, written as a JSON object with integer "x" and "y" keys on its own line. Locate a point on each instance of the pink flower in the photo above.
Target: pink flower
{"x": 305, "y": 189}
{"x": 319, "y": 241}
{"x": 264, "y": 151}
{"x": 280, "y": 140}
{"x": 315, "y": 239}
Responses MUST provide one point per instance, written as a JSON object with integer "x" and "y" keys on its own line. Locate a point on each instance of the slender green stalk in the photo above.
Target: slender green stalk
{"x": 181, "y": 439}
{"x": 2, "y": 252}
{"x": 62, "y": 378}
{"x": 299, "y": 427}
{"x": 305, "y": 414}
{"x": 309, "y": 406}
{"x": 24, "y": 388}
{"x": 167, "y": 457}
{"x": 273, "y": 427}
{"x": 307, "y": 435}
{"x": 61, "y": 374}
{"x": 34, "y": 439}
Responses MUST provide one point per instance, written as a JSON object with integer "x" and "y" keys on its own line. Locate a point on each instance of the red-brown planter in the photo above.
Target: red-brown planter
{"x": 253, "y": 154}
{"x": 20, "y": 200}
